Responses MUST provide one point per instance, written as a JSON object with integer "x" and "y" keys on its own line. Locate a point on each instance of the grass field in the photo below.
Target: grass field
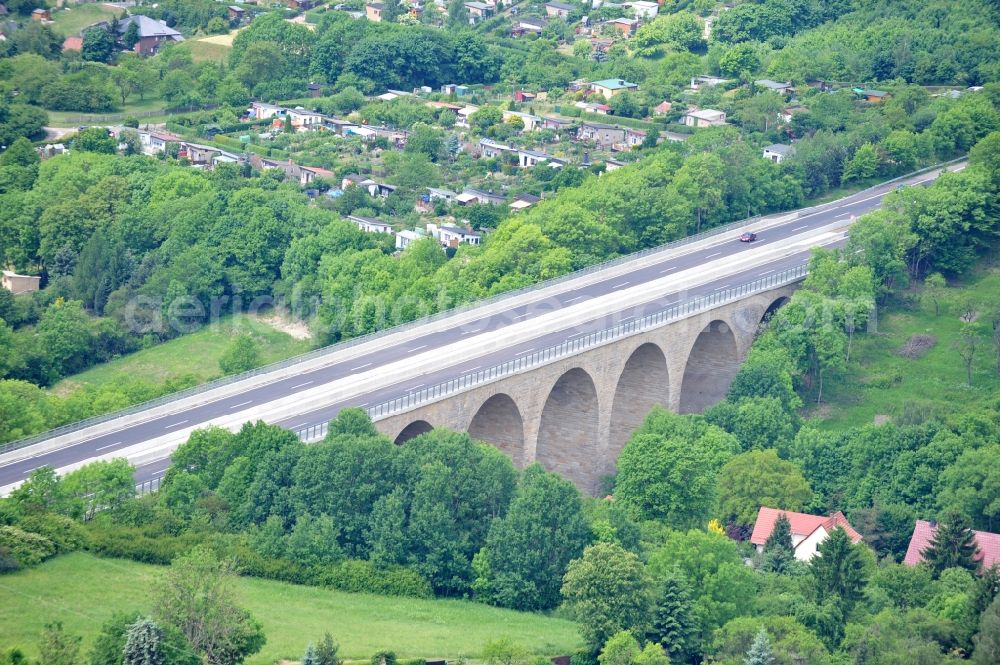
{"x": 196, "y": 354}
{"x": 69, "y": 22}
{"x": 203, "y": 50}
{"x": 83, "y": 591}
{"x": 883, "y": 382}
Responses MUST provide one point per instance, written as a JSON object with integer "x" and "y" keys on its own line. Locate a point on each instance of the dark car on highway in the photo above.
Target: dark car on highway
{"x": 749, "y": 236}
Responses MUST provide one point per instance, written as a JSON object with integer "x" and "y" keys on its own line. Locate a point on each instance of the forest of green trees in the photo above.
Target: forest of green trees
{"x": 134, "y": 250}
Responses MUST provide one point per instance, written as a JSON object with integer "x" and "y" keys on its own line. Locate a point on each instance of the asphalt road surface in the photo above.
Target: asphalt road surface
{"x": 845, "y": 210}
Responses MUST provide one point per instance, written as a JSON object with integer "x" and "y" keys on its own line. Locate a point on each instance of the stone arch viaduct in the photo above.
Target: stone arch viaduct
{"x": 575, "y": 414}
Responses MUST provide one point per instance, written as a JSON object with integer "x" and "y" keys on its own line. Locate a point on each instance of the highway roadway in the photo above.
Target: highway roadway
{"x": 799, "y": 233}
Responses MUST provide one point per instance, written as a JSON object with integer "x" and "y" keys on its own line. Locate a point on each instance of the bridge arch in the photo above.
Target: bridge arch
{"x": 498, "y": 422}
{"x": 774, "y": 307}
{"x": 413, "y": 430}
{"x": 643, "y": 383}
{"x": 568, "y": 430}
{"x": 711, "y": 366}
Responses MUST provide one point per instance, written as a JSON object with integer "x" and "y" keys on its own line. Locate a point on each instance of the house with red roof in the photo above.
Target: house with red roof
{"x": 808, "y": 531}
{"x": 923, "y": 533}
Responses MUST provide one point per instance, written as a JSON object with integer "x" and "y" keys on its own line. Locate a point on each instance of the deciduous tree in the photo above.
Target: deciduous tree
{"x": 608, "y": 590}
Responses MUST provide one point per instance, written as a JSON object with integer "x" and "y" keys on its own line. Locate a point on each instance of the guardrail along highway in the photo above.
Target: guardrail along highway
{"x": 375, "y": 372}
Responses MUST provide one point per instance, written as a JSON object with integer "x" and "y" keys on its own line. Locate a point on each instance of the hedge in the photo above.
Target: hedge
{"x": 27, "y": 549}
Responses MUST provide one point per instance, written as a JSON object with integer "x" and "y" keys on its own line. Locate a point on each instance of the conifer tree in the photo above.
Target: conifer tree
{"x": 778, "y": 549}
{"x": 953, "y": 545}
{"x": 674, "y": 625}
{"x": 760, "y": 650}
{"x": 310, "y": 656}
{"x": 143, "y": 644}
{"x": 326, "y": 652}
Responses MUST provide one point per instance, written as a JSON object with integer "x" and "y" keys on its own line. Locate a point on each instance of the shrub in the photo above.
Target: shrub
{"x": 66, "y": 534}
{"x": 26, "y": 548}
{"x": 137, "y": 545}
{"x": 364, "y": 577}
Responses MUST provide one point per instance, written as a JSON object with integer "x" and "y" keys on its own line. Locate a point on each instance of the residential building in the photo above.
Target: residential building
{"x": 478, "y": 11}
{"x": 604, "y": 135}
{"x": 558, "y": 9}
{"x": 308, "y": 174}
{"x": 438, "y": 194}
{"x": 489, "y": 148}
{"x": 634, "y": 137}
{"x": 988, "y": 543}
{"x": 875, "y": 96}
{"x": 775, "y": 86}
{"x": 528, "y": 158}
{"x": 608, "y": 88}
{"x": 453, "y": 236}
{"x": 531, "y": 122}
{"x": 18, "y": 284}
{"x": 623, "y": 26}
{"x": 808, "y": 531}
{"x": 236, "y": 13}
{"x": 152, "y": 33}
{"x": 155, "y": 142}
{"x": 613, "y": 165}
{"x": 338, "y": 126}
{"x": 790, "y": 112}
{"x": 662, "y": 108}
{"x": 463, "y": 115}
{"x": 356, "y": 180}
{"x": 777, "y": 152}
{"x": 557, "y": 124}
{"x": 373, "y": 11}
{"x": 370, "y": 224}
{"x": 404, "y": 238}
{"x": 522, "y": 201}
{"x": 304, "y": 120}
{"x": 470, "y": 196}
{"x": 262, "y": 111}
{"x": 73, "y": 44}
{"x": 704, "y": 118}
{"x": 530, "y": 24}
{"x": 643, "y": 9}
{"x": 698, "y": 81}
{"x": 41, "y": 14}
{"x": 524, "y": 97}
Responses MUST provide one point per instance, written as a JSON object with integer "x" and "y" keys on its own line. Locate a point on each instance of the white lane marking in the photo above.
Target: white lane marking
{"x": 767, "y": 271}
{"x": 799, "y": 228}
{"x": 719, "y": 288}
{"x": 175, "y": 424}
{"x": 355, "y": 369}
{"x": 520, "y": 316}
{"x": 626, "y": 318}
{"x": 110, "y": 445}
{"x": 572, "y": 299}
{"x": 711, "y": 255}
{"x": 473, "y": 369}
{"x": 576, "y": 335}
{"x": 301, "y": 385}
{"x": 467, "y": 332}
{"x": 417, "y": 348}
{"x": 419, "y": 385}
{"x": 618, "y": 286}
{"x": 668, "y": 269}
{"x": 842, "y": 216}
{"x": 362, "y": 404}
{"x": 236, "y": 406}
{"x": 26, "y": 472}
{"x": 521, "y": 353}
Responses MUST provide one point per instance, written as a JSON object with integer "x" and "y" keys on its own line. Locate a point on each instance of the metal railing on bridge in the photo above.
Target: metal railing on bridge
{"x": 568, "y": 348}
{"x": 333, "y": 348}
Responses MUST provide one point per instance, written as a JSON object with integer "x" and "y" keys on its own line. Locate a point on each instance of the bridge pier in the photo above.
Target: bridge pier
{"x": 575, "y": 415}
